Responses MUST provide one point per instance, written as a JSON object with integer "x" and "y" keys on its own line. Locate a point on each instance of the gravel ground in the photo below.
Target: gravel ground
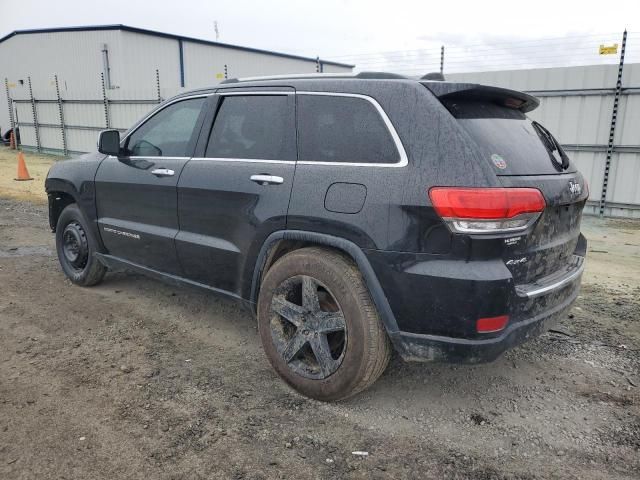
{"x": 137, "y": 379}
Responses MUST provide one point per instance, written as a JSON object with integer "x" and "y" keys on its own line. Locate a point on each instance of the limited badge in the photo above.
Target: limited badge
{"x": 498, "y": 161}
{"x": 512, "y": 240}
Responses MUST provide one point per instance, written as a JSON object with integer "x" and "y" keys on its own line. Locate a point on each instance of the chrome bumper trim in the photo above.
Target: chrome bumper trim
{"x": 535, "y": 290}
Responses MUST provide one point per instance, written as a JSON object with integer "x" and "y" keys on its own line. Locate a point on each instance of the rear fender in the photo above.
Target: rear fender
{"x": 349, "y": 248}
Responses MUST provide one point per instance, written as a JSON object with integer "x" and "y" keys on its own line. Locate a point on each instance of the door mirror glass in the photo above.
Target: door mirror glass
{"x": 109, "y": 142}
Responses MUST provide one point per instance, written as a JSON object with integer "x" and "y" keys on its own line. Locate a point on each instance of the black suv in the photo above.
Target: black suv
{"x": 349, "y": 213}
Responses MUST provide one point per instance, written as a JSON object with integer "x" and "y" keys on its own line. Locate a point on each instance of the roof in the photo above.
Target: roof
{"x": 144, "y": 31}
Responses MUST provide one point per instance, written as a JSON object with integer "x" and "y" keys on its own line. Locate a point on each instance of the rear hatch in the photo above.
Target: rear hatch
{"x": 523, "y": 154}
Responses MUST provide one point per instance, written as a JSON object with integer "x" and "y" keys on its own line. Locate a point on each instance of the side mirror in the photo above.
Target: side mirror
{"x": 109, "y": 142}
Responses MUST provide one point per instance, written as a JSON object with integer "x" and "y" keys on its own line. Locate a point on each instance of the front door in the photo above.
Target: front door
{"x": 235, "y": 192}
{"x": 136, "y": 194}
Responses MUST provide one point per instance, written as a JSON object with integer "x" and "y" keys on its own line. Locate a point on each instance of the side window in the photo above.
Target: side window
{"x": 342, "y": 129}
{"x": 254, "y": 127}
{"x": 167, "y": 133}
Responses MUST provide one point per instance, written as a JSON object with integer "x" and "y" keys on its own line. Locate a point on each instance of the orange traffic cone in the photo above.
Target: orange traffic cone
{"x": 23, "y": 173}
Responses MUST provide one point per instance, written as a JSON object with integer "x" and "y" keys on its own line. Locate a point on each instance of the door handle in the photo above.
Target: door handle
{"x": 163, "y": 172}
{"x": 267, "y": 179}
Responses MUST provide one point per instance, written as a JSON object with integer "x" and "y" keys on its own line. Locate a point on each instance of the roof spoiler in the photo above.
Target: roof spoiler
{"x": 473, "y": 91}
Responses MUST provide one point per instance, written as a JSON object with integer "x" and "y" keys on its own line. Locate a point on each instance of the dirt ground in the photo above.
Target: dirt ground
{"x": 137, "y": 379}
{"x": 38, "y": 166}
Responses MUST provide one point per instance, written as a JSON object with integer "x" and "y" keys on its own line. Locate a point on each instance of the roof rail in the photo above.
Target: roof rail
{"x": 361, "y": 75}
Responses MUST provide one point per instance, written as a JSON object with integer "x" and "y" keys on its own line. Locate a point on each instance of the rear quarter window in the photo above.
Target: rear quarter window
{"x": 343, "y": 129}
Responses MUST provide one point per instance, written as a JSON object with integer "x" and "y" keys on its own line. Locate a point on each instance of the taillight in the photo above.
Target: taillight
{"x": 487, "y": 210}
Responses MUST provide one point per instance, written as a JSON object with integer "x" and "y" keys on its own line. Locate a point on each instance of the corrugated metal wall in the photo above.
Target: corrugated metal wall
{"x": 205, "y": 65}
{"x": 77, "y": 60}
{"x": 576, "y": 104}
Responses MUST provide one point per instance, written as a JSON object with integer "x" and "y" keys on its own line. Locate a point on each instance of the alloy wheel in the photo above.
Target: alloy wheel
{"x": 308, "y": 327}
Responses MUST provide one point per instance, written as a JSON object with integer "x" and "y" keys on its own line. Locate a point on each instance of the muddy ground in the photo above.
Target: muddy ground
{"x": 136, "y": 379}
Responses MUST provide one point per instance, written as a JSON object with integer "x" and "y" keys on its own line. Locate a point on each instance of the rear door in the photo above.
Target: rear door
{"x": 525, "y": 154}
{"x": 136, "y": 194}
{"x": 235, "y": 191}
{"x": 350, "y": 163}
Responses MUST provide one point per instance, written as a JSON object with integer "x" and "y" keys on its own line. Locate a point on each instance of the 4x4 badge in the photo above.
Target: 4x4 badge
{"x": 575, "y": 188}
{"x": 498, "y": 161}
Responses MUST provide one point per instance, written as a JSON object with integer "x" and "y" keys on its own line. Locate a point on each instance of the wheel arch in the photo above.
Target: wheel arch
{"x": 58, "y": 201}
{"x": 282, "y": 242}
{"x": 62, "y": 193}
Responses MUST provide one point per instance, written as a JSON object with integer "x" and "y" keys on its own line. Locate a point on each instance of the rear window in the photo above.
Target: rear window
{"x": 254, "y": 127}
{"x": 509, "y": 140}
{"x": 343, "y": 129}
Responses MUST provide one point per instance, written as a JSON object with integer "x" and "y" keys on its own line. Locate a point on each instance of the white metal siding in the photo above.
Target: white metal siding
{"x": 592, "y": 76}
{"x": 134, "y": 65}
{"x": 335, "y": 69}
{"x": 204, "y": 64}
{"x": 576, "y": 119}
{"x": 628, "y": 127}
{"x": 74, "y": 56}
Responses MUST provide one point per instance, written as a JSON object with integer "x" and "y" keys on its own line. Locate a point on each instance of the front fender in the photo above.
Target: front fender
{"x": 76, "y": 179}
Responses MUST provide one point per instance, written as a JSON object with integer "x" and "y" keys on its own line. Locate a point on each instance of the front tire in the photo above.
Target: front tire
{"x": 76, "y": 248}
{"x": 319, "y": 327}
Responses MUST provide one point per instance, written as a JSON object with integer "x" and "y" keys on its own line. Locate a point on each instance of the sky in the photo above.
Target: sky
{"x": 399, "y": 34}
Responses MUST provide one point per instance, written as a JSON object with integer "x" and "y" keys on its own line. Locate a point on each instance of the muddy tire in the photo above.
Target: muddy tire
{"x": 319, "y": 327}
{"x": 76, "y": 248}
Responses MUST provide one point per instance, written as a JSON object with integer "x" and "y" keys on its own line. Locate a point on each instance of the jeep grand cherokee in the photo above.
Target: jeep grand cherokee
{"x": 350, "y": 214}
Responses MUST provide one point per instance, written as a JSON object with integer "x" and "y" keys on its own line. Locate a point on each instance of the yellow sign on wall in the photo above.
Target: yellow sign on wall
{"x": 219, "y": 76}
{"x": 609, "y": 49}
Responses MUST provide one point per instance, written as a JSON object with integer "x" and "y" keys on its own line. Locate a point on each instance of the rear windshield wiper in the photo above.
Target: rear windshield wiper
{"x": 551, "y": 143}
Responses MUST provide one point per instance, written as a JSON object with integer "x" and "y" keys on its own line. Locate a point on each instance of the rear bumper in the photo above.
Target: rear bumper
{"x": 436, "y": 304}
{"x": 421, "y": 347}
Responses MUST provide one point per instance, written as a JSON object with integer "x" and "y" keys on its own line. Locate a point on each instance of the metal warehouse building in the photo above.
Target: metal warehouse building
{"x": 63, "y": 69}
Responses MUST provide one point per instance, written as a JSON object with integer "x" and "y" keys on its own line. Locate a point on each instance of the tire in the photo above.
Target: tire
{"x": 293, "y": 332}
{"x": 76, "y": 248}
